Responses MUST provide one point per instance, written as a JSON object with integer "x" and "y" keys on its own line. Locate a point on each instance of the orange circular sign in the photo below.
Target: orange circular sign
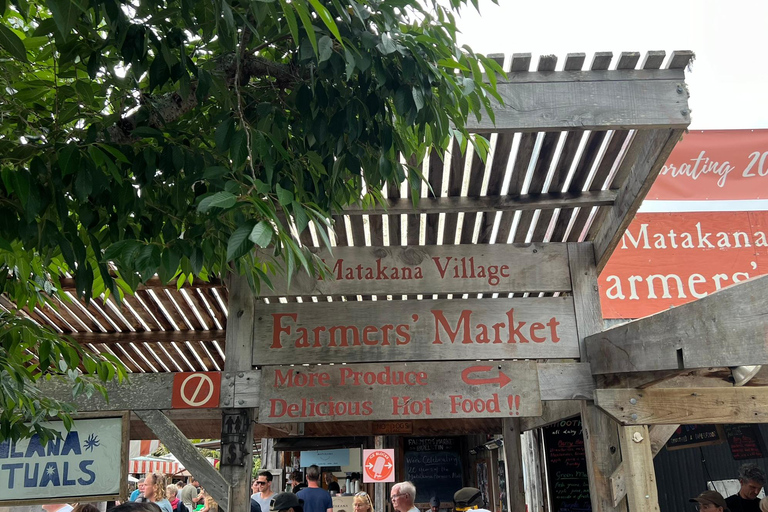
{"x": 379, "y": 466}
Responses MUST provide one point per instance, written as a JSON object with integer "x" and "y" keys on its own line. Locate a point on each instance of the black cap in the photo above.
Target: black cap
{"x": 467, "y": 497}
{"x": 284, "y": 501}
{"x": 434, "y": 501}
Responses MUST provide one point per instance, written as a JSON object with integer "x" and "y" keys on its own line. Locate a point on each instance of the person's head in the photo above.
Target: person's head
{"x": 264, "y": 482}
{"x": 85, "y": 507}
{"x": 752, "y": 480}
{"x": 402, "y": 495}
{"x": 362, "y": 502}
{"x": 136, "y": 506}
{"x": 286, "y": 502}
{"x": 467, "y": 498}
{"x": 255, "y": 485}
{"x": 434, "y": 504}
{"x": 328, "y": 477}
{"x": 170, "y": 491}
{"x": 710, "y": 501}
{"x": 210, "y": 503}
{"x": 296, "y": 477}
{"x": 141, "y": 485}
{"x": 194, "y": 482}
{"x": 313, "y": 473}
{"x": 154, "y": 486}
{"x": 180, "y": 485}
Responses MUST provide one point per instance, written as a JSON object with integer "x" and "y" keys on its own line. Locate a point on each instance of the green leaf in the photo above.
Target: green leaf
{"x": 325, "y": 46}
{"x": 222, "y": 136}
{"x": 290, "y": 19}
{"x": 12, "y": 43}
{"x": 284, "y": 196}
{"x": 239, "y": 149}
{"x": 261, "y": 234}
{"x": 238, "y": 243}
{"x": 217, "y": 200}
{"x": 65, "y": 14}
{"x": 327, "y": 18}
{"x": 306, "y": 21}
{"x": 69, "y": 159}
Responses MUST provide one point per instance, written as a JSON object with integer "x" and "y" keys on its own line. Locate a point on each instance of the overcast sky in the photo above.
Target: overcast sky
{"x": 728, "y": 81}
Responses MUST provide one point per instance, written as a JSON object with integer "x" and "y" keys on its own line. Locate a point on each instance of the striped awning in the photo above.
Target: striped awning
{"x": 143, "y": 465}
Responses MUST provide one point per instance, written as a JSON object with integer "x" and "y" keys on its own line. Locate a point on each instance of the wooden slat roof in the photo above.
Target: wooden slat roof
{"x": 579, "y": 176}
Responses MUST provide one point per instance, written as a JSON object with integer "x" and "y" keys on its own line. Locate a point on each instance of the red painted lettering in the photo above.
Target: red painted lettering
{"x": 277, "y": 327}
{"x": 442, "y": 322}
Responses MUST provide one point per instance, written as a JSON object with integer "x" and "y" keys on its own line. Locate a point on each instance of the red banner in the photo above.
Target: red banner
{"x": 715, "y": 165}
{"x": 668, "y": 259}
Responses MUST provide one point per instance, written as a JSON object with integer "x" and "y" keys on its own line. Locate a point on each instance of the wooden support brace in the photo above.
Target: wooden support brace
{"x": 170, "y": 435}
{"x": 639, "y": 475}
{"x": 551, "y": 412}
{"x": 674, "y": 406}
{"x": 601, "y": 447}
{"x": 724, "y": 329}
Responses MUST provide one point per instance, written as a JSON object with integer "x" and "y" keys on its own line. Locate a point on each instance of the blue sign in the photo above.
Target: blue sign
{"x": 325, "y": 458}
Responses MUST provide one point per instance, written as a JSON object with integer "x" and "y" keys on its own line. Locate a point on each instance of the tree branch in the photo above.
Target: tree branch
{"x": 169, "y": 107}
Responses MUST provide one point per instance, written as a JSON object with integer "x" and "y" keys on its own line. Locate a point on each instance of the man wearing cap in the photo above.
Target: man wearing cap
{"x": 403, "y": 495}
{"x": 752, "y": 480}
{"x": 469, "y": 498}
{"x": 434, "y": 504}
{"x": 710, "y": 501}
{"x": 286, "y": 502}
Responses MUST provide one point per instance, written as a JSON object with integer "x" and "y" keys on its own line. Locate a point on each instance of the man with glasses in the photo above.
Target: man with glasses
{"x": 710, "y": 501}
{"x": 403, "y": 495}
{"x": 469, "y": 498}
{"x": 262, "y": 488}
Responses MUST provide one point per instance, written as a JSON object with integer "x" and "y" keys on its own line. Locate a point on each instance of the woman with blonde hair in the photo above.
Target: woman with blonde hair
{"x": 210, "y": 504}
{"x": 362, "y": 502}
{"x": 154, "y": 491}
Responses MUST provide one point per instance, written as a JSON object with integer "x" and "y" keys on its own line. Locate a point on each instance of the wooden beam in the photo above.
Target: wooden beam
{"x": 601, "y": 443}
{"x": 68, "y": 283}
{"x": 726, "y": 328}
{"x": 170, "y": 435}
{"x": 237, "y": 424}
{"x": 552, "y": 412}
{"x": 566, "y": 381}
{"x": 672, "y": 406}
{"x": 641, "y": 164}
{"x": 640, "y": 477}
{"x": 513, "y": 458}
{"x": 587, "y": 105}
{"x": 659, "y": 435}
{"x": 111, "y": 338}
{"x": 545, "y": 201}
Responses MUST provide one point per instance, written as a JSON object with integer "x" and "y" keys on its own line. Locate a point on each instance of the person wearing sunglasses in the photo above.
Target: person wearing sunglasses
{"x": 262, "y": 490}
{"x": 403, "y": 495}
{"x": 362, "y": 502}
{"x": 469, "y": 498}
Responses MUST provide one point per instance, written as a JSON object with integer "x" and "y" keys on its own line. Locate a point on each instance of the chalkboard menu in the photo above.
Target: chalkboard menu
{"x": 433, "y": 464}
{"x": 567, "y": 467}
{"x": 690, "y": 436}
{"x": 745, "y": 441}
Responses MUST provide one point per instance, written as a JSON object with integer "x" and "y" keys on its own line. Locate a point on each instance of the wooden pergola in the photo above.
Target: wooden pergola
{"x": 573, "y": 152}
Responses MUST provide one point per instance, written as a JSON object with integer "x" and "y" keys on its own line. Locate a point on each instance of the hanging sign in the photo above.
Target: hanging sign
{"x": 433, "y": 269}
{"x": 378, "y": 466}
{"x": 399, "y": 391}
{"x": 86, "y": 463}
{"x": 423, "y": 330}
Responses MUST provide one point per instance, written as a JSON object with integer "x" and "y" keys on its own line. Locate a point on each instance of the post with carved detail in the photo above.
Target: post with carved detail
{"x": 237, "y": 424}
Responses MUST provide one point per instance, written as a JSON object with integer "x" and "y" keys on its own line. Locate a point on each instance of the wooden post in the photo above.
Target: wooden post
{"x": 599, "y": 430}
{"x": 513, "y": 458}
{"x": 237, "y": 424}
{"x": 534, "y": 484}
{"x": 639, "y": 475}
{"x": 380, "y": 488}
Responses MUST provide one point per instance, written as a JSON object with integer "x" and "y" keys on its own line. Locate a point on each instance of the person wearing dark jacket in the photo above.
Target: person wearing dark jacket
{"x": 752, "y": 480}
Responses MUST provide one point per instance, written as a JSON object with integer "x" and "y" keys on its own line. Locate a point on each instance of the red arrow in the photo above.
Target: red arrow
{"x": 502, "y": 379}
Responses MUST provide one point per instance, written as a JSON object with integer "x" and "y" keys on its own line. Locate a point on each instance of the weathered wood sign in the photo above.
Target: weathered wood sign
{"x": 399, "y": 391}
{"x": 415, "y": 331}
{"x": 434, "y": 269}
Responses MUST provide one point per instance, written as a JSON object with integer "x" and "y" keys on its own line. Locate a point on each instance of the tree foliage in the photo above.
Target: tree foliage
{"x": 172, "y": 137}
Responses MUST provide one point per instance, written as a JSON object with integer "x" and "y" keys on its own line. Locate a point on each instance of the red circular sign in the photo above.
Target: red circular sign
{"x": 193, "y": 390}
{"x": 378, "y": 466}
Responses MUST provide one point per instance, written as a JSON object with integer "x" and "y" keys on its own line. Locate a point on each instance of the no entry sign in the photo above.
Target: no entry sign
{"x": 399, "y": 391}
{"x": 378, "y": 466}
{"x": 196, "y": 390}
